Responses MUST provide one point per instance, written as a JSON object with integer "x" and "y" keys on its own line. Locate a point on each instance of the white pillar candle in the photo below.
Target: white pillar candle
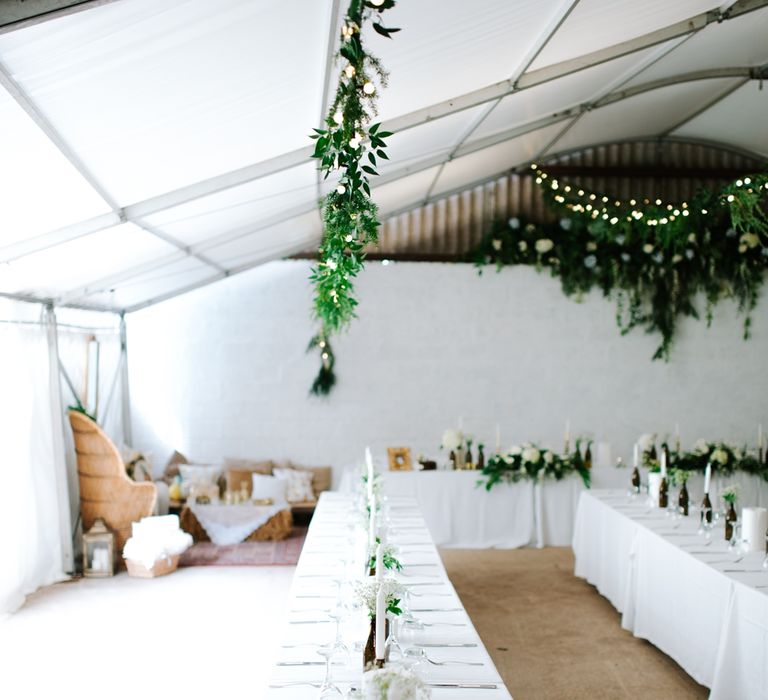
{"x": 636, "y": 456}
{"x": 707, "y": 477}
{"x": 664, "y": 463}
{"x": 654, "y": 486}
{"x": 379, "y": 561}
{"x": 753, "y": 529}
{"x": 381, "y": 614}
{"x": 369, "y": 466}
{"x": 760, "y": 435}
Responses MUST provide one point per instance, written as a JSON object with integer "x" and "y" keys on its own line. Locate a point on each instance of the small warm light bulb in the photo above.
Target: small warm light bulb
{"x": 731, "y": 197}
{"x": 747, "y": 180}
{"x": 534, "y": 166}
{"x": 341, "y": 189}
{"x": 349, "y": 71}
{"x": 377, "y": 3}
{"x": 580, "y": 193}
{"x": 658, "y": 202}
{"x": 338, "y": 117}
{"x": 739, "y": 183}
{"x": 369, "y": 88}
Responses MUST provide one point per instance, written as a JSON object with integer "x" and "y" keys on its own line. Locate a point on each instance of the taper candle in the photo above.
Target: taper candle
{"x": 664, "y": 463}
{"x": 636, "y": 456}
{"x": 372, "y": 523}
{"x": 379, "y": 561}
{"x": 707, "y": 477}
{"x": 381, "y": 615}
{"x": 498, "y": 439}
{"x": 760, "y": 435}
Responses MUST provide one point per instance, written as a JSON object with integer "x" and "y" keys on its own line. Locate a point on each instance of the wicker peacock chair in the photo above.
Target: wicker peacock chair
{"x": 105, "y": 490}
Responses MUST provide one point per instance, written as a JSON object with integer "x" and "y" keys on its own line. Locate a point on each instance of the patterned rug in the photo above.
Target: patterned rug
{"x": 283, "y": 553}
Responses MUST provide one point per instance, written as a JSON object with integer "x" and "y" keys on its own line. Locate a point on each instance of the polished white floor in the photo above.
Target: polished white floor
{"x": 201, "y": 632}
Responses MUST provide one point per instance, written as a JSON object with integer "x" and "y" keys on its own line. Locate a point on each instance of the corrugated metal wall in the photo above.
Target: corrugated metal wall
{"x": 452, "y": 225}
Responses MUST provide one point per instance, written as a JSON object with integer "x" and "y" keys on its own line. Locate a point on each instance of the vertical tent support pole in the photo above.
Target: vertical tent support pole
{"x": 126, "y": 397}
{"x": 59, "y": 450}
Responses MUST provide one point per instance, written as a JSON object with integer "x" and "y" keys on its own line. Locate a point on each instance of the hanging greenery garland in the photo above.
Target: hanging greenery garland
{"x": 653, "y": 258}
{"x": 353, "y": 146}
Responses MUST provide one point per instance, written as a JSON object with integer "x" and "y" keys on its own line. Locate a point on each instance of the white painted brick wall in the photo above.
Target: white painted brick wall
{"x": 222, "y": 371}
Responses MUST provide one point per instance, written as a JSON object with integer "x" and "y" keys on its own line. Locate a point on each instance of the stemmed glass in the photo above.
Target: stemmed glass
{"x": 337, "y": 614}
{"x": 705, "y": 526}
{"x": 393, "y": 650}
{"x": 734, "y": 544}
{"x": 328, "y": 690}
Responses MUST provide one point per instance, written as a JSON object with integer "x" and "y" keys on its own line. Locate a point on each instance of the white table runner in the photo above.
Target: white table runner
{"x": 691, "y": 599}
{"x": 435, "y": 602}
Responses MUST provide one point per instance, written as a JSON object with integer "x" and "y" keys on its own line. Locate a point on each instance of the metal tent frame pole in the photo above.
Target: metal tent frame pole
{"x": 63, "y": 492}
{"x": 124, "y": 385}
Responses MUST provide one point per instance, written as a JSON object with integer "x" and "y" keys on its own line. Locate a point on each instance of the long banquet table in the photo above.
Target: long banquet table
{"x": 687, "y": 595}
{"x": 435, "y": 601}
{"x": 461, "y": 514}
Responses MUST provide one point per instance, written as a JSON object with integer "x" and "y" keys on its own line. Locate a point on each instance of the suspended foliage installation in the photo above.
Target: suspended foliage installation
{"x": 653, "y": 258}
{"x": 351, "y": 145}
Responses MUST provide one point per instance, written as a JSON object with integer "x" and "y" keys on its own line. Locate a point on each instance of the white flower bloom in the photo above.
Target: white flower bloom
{"x": 590, "y": 261}
{"x": 514, "y": 222}
{"x": 544, "y": 245}
{"x": 692, "y": 238}
{"x": 701, "y": 447}
{"x": 731, "y": 232}
{"x": 689, "y": 253}
{"x": 591, "y": 246}
{"x": 523, "y": 246}
{"x": 626, "y": 257}
{"x": 719, "y": 455}
{"x": 743, "y": 248}
{"x": 676, "y": 258}
{"x": 393, "y": 683}
{"x": 548, "y": 457}
{"x": 648, "y": 248}
{"x": 659, "y": 257}
{"x": 514, "y": 451}
{"x": 620, "y": 239}
{"x": 530, "y": 228}
{"x": 366, "y": 590}
{"x": 452, "y": 440}
{"x": 496, "y": 243}
{"x": 531, "y": 454}
{"x": 565, "y": 224}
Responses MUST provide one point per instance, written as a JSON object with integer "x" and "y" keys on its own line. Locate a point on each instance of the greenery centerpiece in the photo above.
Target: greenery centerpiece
{"x": 530, "y": 461}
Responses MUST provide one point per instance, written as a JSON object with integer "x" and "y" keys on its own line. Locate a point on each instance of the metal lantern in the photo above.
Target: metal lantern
{"x": 99, "y": 551}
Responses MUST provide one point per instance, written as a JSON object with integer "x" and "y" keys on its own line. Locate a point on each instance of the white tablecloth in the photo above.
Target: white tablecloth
{"x": 314, "y": 590}
{"x": 690, "y": 599}
{"x": 461, "y": 514}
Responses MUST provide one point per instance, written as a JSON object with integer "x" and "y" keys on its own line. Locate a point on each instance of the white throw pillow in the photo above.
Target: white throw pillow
{"x": 266, "y": 486}
{"x": 298, "y": 485}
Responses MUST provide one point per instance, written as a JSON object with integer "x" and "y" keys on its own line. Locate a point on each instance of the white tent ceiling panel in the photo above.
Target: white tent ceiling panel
{"x": 597, "y": 24}
{"x": 733, "y": 120}
{"x": 41, "y": 190}
{"x": 648, "y": 114}
{"x": 737, "y": 42}
{"x": 472, "y": 168}
{"x": 210, "y": 216}
{"x": 56, "y": 270}
{"x": 430, "y": 139}
{"x": 559, "y": 95}
{"x": 404, "y": 192}
{"x": 269, "y": 242}
{"x": 155, "y": 283}
{"x": 444, "y": 47}
{"x": 153, "y": 96}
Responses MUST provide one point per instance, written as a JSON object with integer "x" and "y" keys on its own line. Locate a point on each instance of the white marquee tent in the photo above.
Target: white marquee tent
{"x": 149, "y": 148}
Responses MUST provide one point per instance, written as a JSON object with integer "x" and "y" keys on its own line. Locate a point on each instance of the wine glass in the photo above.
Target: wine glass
{"x": 328, "y": 690}
{"x": 393, "y": 650}
{"x": 734, "y": 544}
{"x": 338, "y": 646}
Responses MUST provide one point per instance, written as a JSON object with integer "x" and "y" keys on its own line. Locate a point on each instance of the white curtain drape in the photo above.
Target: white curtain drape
{"x": 34, "y": 540}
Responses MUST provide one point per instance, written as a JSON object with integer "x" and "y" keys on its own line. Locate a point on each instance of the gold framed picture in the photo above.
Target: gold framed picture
{"x": 399, "y": 459}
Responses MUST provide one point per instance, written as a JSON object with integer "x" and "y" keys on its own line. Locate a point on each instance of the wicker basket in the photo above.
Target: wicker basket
{"x": 161, "y": 567}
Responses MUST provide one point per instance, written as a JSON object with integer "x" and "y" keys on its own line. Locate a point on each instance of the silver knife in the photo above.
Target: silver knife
{"x": 437, "y": 609}
{"x": 742, "y": 571}
{"x": 449, "y": 646}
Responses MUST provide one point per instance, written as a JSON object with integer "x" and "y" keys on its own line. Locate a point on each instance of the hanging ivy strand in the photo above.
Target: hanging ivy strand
{"x": 653, "y": 258}
{"x": 351, "y": 146}
{"x": 326, "y": 377}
